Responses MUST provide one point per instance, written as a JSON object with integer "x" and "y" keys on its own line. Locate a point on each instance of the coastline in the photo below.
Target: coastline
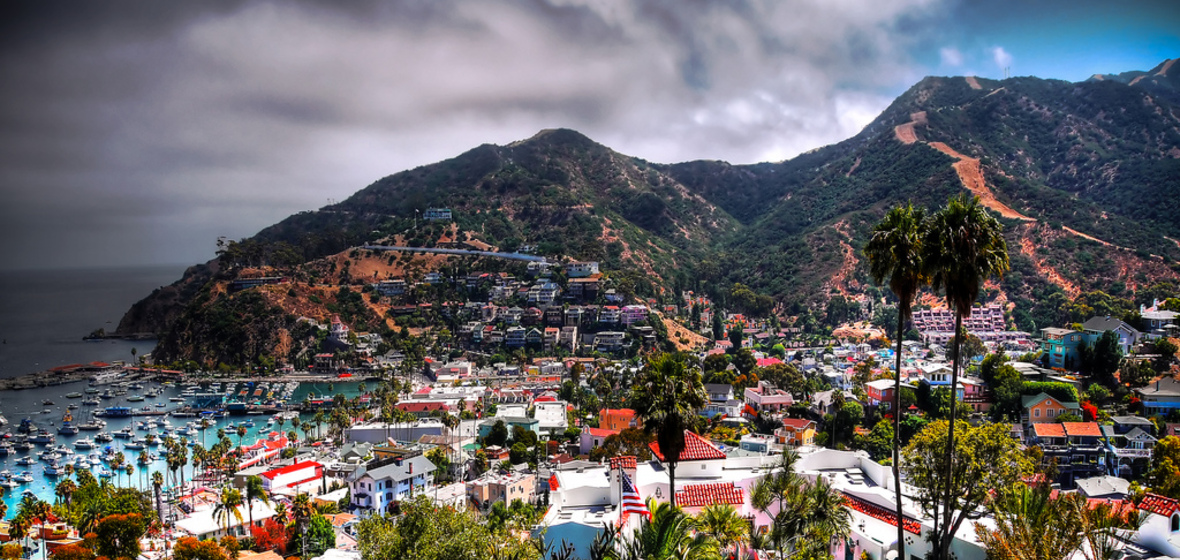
{"x": 46, "y": 378}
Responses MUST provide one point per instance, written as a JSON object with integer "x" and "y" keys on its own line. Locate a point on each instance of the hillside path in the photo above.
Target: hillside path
{"x": 971, "y": 174}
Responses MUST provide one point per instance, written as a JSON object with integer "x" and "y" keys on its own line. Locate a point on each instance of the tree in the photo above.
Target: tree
{"x": 1163, "y": 476}
{"x": 744, "y": 361}
{"x": 718, "y": 326}
{"x": 255, "y": 491}
{"x": 667, "y": 535}
{"x": 498, "y": 435}
{"x": 724, "y": 524}
{"x": 227, "y": 506}
{"x": 118, "y": 535}
{"x": 895, "y": 252}
{"x": 189, "y": 548}
{"x": 1102, "y": 359}
{"x": 985, "y": 458}
{"x": 157, "y": 484}
{"x": 668, "y": 396}
{"x": 320, "y": 536}
{"x": 72, "y": 552}
{"x": 735, "y": 338}
{"x": 962, "y": 247}
{"x": 427, "y": 531}
{"x": 302, "y": 512}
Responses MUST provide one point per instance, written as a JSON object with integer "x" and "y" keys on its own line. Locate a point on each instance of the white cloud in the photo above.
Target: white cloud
{"x": 951, "y": 56}
{"x": 1002, "y": 58}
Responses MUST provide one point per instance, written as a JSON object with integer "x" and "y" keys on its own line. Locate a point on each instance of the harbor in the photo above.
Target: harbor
{"x": 87, "y": 425}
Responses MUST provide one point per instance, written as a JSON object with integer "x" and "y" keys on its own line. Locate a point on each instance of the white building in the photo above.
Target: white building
{"x": 581, "y": 269}
{"x": 376, "y": 489}
{"x": 203, "y": 524}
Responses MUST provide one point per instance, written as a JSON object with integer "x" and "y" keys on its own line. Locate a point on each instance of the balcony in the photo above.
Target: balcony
{"x": 1133, "y": 453}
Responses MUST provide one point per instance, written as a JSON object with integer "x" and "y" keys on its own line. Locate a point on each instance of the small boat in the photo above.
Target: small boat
{"x": 72, "y": 406}
{"x": 8, "y": 483}
{"x": 24, "y": 477}
{"x": 160, "y": 405}
{"x": 125, "y": 433}
{"x": 26, "y": 460}
{"x": 50, "y": 456}
{"x": 67, "y": 429}
{"x": 52, "y": 469}
{"x": 5, "y": 448}
{"x": 47, "y": 402}
{"x": 176, "y": 399}
{"x": 136, "y": 444}
{"x": 135, "y": 398}
{"x": 90, "y": 401}
{"x": 92, "y": 425}
{"x": 104, "y": 472}
{"x": 84, "y": 443}
{"x": 91, "y": 391}
{"x": 63, "y": 450}
{"x": 103, "y": 437}
{"x": 108, "y": 394}
{"x": 74, "y": 395}
{"x": 135, "y": 386}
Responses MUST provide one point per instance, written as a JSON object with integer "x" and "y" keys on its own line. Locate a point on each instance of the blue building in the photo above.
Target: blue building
{"x": 1061, "y": 347}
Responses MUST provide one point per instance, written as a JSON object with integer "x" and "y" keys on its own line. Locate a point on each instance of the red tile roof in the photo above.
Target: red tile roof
{"x": 1049, "y": 429}
{"x": 423, "y": 406}
{"x": 882, "y": 514}
{"x": 1082, "y": 429}
{"x": 696, "y": 448}
{"x": 1159, "y": 505}
{"x": 701, "y": 495}
{"x": 798, "y": 423}
{"x": 624, "y": 462}
{"x": 600, "y": 432}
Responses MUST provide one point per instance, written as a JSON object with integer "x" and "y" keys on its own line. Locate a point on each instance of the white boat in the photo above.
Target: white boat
{"x": 84, "y": 443}
{"x": 9, "y": 483}
{"x": 53, "y": 470}
{"x": 104, "y": 472}
{"x": 74, "y": 395}
{"x": 134, "y": 444}
{"x": 176, "y": 399}
{"x": 103, "y": 437}
{"x": 26, "y": 460}
{"x": 135, "y": 398}
{"x": 125, "y": 433}
{"x": 50, "y": 456}
{"x": 24, "y": 477}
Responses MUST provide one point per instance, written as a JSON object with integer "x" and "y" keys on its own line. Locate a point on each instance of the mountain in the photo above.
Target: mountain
{"x": 1084, "y": 176}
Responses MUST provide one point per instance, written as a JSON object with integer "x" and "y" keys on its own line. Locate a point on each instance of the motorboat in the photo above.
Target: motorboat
{"x": 126, "y": 432}
{"x": 92, "y": 425}
{"x": 23, "y": 477}
{"x": 91, "y": 401}
{"x": 91, "y": 391}
{"x": 50, "y": 456}
{"x": 135, "y": 398}
{"x": 135, "y": 444}
{"x": 103, "y": 437}
{"x": 84, "y": 443}
{"x": 52, "y": 469}
{"x": 26, "y": 460}
{"x": 74, "y": 395}
{"x": 63, "y": 450}
{"x": 176, "y": 399}
{"x": 104, "y": 472}
{"x": 43, "y": 437}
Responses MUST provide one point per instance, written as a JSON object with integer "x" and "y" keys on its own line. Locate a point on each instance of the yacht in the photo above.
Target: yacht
{"x": 8, "y": 482}
{"x": 91, "y": 391}
{"x": 52, "y": 469}
{"x": 63, "y": 450}
{"x": 84, "y": 443}
{"x": 5, "y": 448}
{"x": 24, "y": 477}
{"x": 108, "y": 394}
{"x": 74, "y": 395}
{"x": 43, "y": 436}
{"x": 176, "y": 399}
{"x": 103, "y": 437}
{"x": 92, "y": 425}
{"x": 50, "y": 456}
{"x": 26, "y": 460}
{"x": 125, "y": 433}
{"x": 104, "y": 472}
{"x": 136, "y": 444}
{"x": 135, "y": 398}
{"x": 90, "y": 401}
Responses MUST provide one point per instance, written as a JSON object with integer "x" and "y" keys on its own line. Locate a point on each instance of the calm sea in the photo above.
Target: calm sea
{"x": 44, "y": 314}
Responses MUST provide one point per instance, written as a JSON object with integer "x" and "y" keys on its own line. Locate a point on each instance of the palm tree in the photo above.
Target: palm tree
{"x": 255, "y": 491}
{"x": 3, "y": 510}
{"x": 301, "y": 511}
{"x": 667, "y": 536}
{"x": 241, "y": 435}
{"x": 962, "y": 248}
{"x": 227, "y": 506}
{"x": 667, "y": 396}
{"x": 775, "y": 489}
{"x": 130, "y": 470}
{"x": 724, "y": 524}
{"x": 18, "y": 529}
{"x": 894, "y": 252}
{"x": 64, "y": 491}
{"x": 157, "y": 485}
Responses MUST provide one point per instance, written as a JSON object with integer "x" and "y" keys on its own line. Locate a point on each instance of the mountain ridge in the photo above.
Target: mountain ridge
{"x": 1083, "y": 175}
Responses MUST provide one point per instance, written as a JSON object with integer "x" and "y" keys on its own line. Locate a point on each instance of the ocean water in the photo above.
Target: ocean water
{"x": 45, "y": 313}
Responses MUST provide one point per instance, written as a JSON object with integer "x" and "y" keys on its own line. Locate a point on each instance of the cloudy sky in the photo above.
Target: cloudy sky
{"x": 139, "y": 132}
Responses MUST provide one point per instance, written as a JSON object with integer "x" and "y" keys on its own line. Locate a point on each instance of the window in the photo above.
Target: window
{"x": 1175, "y": 522}
{"x": 1036, "y": 413}
{"x": 1051, "y": 412}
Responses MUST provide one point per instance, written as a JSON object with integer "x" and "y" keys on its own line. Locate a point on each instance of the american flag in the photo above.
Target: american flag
{"x": 631, "y": 501}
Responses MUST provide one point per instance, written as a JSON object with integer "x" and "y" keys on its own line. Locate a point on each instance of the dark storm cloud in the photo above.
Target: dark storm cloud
{"x": 141, "y": 131}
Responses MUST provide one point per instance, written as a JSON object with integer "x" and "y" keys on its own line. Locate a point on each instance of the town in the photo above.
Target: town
{"x": 520, "y": 410}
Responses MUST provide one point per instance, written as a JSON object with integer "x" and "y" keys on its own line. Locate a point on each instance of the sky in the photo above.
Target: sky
{"x": 138, "y": 132}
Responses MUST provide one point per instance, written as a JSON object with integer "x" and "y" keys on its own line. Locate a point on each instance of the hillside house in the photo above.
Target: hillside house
{"x": 1044, "y": 408}
{"x": 375, "y": 490}
{"x": 1127, "y": 335}
{"x": 796, "y": 432}
{"x": 1160, "y": 397}
{"x": 1061, "y": 346}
